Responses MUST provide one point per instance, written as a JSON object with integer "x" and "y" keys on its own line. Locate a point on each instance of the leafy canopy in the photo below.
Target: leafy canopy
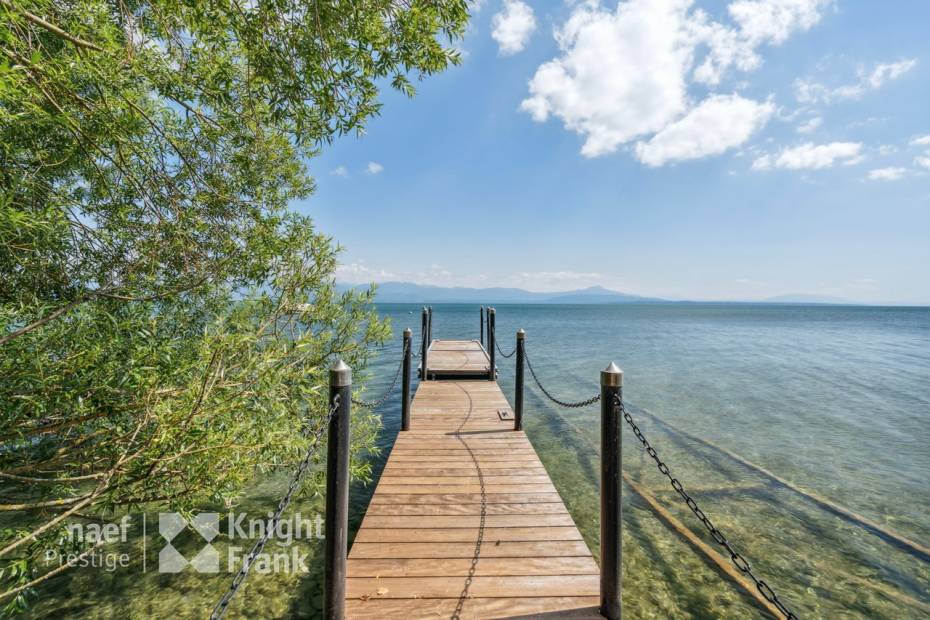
{"x": 165, "y": 320}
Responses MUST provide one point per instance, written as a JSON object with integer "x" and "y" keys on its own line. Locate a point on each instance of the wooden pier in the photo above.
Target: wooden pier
{"x": 465, "y": 522}
{"x": 462, "y": 359}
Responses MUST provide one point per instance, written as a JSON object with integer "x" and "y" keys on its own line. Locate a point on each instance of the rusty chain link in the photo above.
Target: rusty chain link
{"x": 561, "y": 403}
{"x": 374, "y": 404}
{"x": 738, "y": 560}
{"x": 247, "y": 562}
{"x": 497, "y": 344}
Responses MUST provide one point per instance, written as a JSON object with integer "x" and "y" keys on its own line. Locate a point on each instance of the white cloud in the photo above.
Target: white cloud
{"x": 358, "y": 272}
{"x": 923, "y": 161}
{"x": 340, "y": 171}
{"x": 621, "y": 74}
{"x": 890, "y": 71}
{"x": 807, "y": 91}
{"x": 811, "y": 156}
{"x": 810, "y": 125}
{"x": 374, "y": 167}
{"x": 887, "y": 174}
{"x": 756, "y": 22}
{"x": 513, "y": 26}
{"x": 624, "y": 74}
{"x": 717, "y": 124}
{"x": 921, "y": 141}
{"x": 552, "y": 281}
{"x": 773, "y": 21}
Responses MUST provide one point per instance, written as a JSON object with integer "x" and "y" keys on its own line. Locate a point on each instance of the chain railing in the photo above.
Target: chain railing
{"x": 259, "y": 545}
{"x": 374, "y": 404}
{"x": 497, "y": 344}
{"x": 610, "y": 400}
{"x": 738, "y": 560}
{"x": 568, "y": 405}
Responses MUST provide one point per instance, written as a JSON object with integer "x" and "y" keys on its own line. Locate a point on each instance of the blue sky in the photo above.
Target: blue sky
{"x": 699, "y": 150}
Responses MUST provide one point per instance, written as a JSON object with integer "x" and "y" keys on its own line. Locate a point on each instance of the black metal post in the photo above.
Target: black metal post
{"x": 611, "y": 462}
{"x": 337, "y": 493}
{"x": 482, "y": 325}
{"x": 405, "y": 388}
{"x": 424, "y": 345}
{"x": 518, "y": 382}
{"x": 492, "y": 341}
{"x": 429, "y": 323}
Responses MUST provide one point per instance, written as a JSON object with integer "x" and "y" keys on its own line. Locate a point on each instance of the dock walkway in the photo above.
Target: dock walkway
{"x": 457, "y": 359}
{"x": 465, "y": 522}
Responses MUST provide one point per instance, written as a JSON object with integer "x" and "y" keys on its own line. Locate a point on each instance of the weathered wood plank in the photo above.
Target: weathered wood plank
{"x": 501, "y": 567}
{"x": 458, "y": 358}
{"x": 467, "y": 521}
{"x": 576, "y": 608}
{"x": 517, "y": 459}
{"x": 548, "y": 508}
{"x": 491, "y": 489}
{"x": 462, "y": 475}
{"x": 464, "y": 498}
{"x": 439, "y": 533}
{"x": 480, "y": 587}
{"x": 488, "y": 479}
{"x": 560, "y": 548}
{"x": 501, "y": 469}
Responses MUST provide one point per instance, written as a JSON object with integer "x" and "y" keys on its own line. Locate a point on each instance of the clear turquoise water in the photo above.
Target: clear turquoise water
{"x": 833, "y": 399}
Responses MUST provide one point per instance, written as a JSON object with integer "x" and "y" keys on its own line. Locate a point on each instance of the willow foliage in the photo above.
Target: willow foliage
{"x": 165, "y": 320}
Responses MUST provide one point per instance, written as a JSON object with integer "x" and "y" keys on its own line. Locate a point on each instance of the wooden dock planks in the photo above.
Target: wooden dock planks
{"x": 457, "y": 358}
{"x": 465, "y": 522}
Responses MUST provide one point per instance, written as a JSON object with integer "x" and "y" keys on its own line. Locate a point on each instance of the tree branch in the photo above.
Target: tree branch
{"x": 38, "y": 21}
{"x": 71, "y": 562}
{"x": 46, "y": 319}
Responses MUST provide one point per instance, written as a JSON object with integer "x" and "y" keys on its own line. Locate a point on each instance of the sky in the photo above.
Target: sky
{"x": 706, "y": 150}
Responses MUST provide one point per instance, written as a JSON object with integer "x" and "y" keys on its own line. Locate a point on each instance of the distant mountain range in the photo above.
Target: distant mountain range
{"x": 406, "y": 292}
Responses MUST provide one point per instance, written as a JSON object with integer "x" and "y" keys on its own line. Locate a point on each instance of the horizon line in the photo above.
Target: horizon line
{"x": 827, "y": 300}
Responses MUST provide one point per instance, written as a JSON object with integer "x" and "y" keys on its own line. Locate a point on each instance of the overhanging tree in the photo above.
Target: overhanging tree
{"x": 165, "y": 320}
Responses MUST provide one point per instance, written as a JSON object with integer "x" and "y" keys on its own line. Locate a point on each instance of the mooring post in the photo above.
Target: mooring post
{"x": 337, "y": 493}
{"x": 482, "y": 325}
{"x": 518, "y": 382}
{"x": 424, "y": 345}
{"x": 405, "y": 388}
{"x": 492, "y": 340}
{"x": 611, "y": 461}
{"x": 429, "y": 323}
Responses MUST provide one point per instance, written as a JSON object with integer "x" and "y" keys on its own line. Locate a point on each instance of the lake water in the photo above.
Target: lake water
{"x": 835, "y": 400}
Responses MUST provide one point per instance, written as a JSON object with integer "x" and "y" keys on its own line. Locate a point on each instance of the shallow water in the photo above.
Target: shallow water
{"x": 833, "y": 399}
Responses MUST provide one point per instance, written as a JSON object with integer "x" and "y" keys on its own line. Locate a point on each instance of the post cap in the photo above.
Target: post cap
{"x": 521, "y": 334}
{"x": 408, "y": 333}
{"x": 492, "y": 310}
{"x": 340, "y": 375}
{"x": 612, "y": 376}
